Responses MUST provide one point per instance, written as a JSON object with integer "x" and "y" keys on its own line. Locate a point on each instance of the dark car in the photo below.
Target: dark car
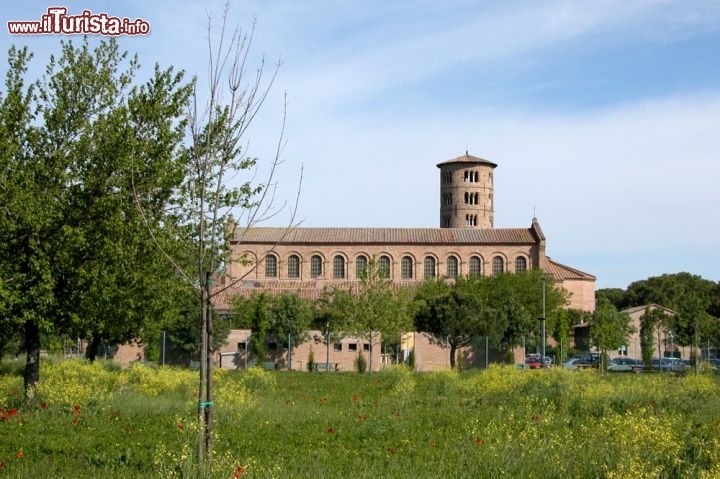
{"x": 669, "y": 364}
{"x": 589, "y": 360}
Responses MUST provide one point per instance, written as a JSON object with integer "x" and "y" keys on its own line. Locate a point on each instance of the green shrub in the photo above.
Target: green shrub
{"x": 360, "y": 363}
{"x": 410, "y": 361}
{"x": 311, "y": 361}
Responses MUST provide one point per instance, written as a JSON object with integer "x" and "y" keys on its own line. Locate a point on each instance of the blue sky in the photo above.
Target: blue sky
{"x": 603, "y": 115}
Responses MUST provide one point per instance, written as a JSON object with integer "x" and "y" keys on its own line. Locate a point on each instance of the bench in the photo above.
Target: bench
{"x": 327, "y": 366}
{"x": 269, "y": 365}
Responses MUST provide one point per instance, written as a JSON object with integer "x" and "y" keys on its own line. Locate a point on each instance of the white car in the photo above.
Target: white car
{"x": 571, "y": 363}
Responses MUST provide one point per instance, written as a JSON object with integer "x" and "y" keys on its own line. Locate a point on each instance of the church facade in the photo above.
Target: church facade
{"x": 305, "y": 260}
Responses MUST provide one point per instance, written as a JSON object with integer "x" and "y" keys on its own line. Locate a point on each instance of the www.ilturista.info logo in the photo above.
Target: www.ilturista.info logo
{"x": 57, "y": 21}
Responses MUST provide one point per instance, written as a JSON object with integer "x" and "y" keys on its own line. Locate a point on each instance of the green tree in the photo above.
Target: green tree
{"x": 652, "y": 321}
{"x": 519, "y": 298}
{"x": 378, "y": 310}
{"x": 254, "y": 313}
{"x": 291, "y": 317}
{"x": 285, "y": 316}
{"x": 615, "y": 295}
{"x": 75, "y": 152}
{"x": 455, "y": 313}
{"x": 609, "y": 328}
{"x": 331, "y": 315}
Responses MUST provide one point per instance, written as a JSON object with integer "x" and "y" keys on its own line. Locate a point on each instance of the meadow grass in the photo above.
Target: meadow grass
{"x": 94, "y": 421}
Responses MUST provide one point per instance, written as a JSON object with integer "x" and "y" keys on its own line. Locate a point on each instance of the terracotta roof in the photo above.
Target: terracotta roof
{"x": 268, "y": 235}
{"x": 562, "y": 272}
{"x": 636, "y": 309}
{"x": 469, "y": 159}
{"x": 537, "y": 231}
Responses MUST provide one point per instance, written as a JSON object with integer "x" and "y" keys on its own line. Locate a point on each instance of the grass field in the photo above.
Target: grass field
{"x": 94, "y": 421}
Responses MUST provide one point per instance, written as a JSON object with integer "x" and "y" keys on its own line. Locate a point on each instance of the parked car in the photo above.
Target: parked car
{"x": 533, "y": 361}
{"x": 589, "y": 360}
{"x": 623, "y": 364}
{"x": 669, "y": 364}
{"x": 571, "y": 363}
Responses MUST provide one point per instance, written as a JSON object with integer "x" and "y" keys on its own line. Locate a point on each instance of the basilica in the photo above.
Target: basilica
{"x": 306, "y": 260}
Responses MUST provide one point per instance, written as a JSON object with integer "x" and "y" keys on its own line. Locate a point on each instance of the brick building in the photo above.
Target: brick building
{"x": 305, "y": 260}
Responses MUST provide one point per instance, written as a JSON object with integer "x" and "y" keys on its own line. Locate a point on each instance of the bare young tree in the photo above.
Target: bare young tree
{"x": 221, "y": 195}
{"x": 215, "y": 188}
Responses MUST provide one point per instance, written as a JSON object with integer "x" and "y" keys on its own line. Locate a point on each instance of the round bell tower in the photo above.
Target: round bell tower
{"x": 466, "y": 192}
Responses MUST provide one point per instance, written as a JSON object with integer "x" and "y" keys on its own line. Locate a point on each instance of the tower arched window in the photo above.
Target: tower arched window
{"x": 475, "y": 266}
{"x": 360, "y": 266}
{"x": 520, "y": 264}
{"x": 294, "y": 266}
{"x": 470, "y": 220}
{"x": 338, "y": 267}
{"x": 406, "y": 267}
{"x": 315, "y": 266}
{"x": 384, "y": 266}
{"x": 271, "y": 266}
{"x": 429, "y": 267}
{"x": 452, "y": 267}
{"x": 498, "y": 265}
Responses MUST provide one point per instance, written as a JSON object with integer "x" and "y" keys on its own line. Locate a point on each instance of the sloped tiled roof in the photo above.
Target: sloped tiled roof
{"x": 469, "y": 159}
{"x": 562, "y": 272}
{"x": 269, "y": 235}
{"x": 636, "y": 309}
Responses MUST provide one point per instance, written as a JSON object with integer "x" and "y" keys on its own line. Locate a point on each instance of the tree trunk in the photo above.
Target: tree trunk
{"x": 202, "y": 398}
{"x": 31, "y": 375}
{"x": 208, "y": 382}
{"x": 370, "y": 364}
{"x": 453, "y": 351}
{"x": 92, "y": 348}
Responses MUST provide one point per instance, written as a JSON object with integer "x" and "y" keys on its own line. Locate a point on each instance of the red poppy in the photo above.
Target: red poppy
{"x": 397, "y": 414}
{"x": 238, "y": 472}
{"x": 181, "y": 426}
{"x": 536, "y": 418}
{"x": 2, "y": 464}
{"x": 355, "y": 397}
{"x": 74, "y": 422}
{"x": 479, "y": 441}
{"x": 76, "y": 410}
{"x": 20, "y": 455}
{"x": 331, "y": 430}
{"x": 44, "y": 405}
{"x": 363, "y": 418}
{"x": 390, "y": 450}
